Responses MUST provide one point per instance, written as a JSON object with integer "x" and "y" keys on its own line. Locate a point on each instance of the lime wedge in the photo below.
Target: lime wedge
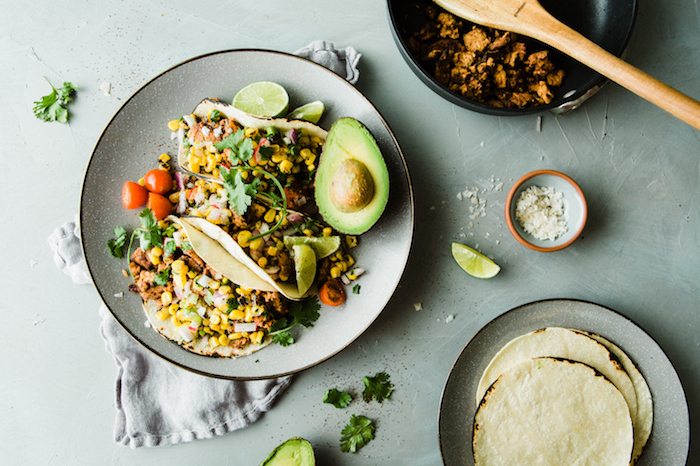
{"x": 310, "y": 112}
{"x": 474, "y": 263}
{"x": 305, "y": 266}
{"x": 262, "y": 99}
{"x": 323, "y": 246}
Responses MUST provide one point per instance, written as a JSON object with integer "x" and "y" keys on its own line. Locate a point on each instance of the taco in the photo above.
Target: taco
{"x": 199, "y": 296}
{"x": 249, "y": 185}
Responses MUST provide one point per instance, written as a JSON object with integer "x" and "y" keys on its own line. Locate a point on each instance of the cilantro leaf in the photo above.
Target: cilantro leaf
{"x": 356, "y": 434}
{"x": 300, "y": 313}
{"x": 378, "y": 387}
{"x": 283, "y": 338}
{"x": 240, "y": 194}
{"x": 115, "y": 244}
{"x": 232, "y": 142}
{"x": 162, "y": 277}
{"x": 150, "y": 234}
{"x": 337, "y": 398}
{"x": 53, "y": 107}
{"x": 356, "y": 288}
{"x": 305, "y": 312}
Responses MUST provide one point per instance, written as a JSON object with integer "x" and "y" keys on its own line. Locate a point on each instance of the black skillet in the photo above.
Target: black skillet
{"x": 608, "y": 23}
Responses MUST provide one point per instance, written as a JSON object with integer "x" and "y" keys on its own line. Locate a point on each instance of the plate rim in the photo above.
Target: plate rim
{"x": 515, "y": 309}
{"x": 403, "y": 164}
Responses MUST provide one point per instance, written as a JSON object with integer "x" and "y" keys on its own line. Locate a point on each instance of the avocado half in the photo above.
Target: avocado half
{"x": 352, "y": 180}
{"x": 294, "y": 452}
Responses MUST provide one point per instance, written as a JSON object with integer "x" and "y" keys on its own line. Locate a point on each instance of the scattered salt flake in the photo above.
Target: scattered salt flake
{"x": 33, "y": 262}
{"x": 418, "y": 306}
{"x": 499, "y": 186}
{"x": 106, "y": 88}
{"x": 41, "y": 321}
{"x": 449, "y": 318}
{"x": 147, "y": 324}
{"x": 459, "y": 196}
{"x": 538, "y": 125}
{"x": 482, "y": 144}
{"x": 119, "y": 295}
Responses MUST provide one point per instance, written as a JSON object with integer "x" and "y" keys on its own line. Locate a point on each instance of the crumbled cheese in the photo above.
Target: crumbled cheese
{"x": 449, "y": 318}
{"x": 106, "y": 88}
{"x": 418, "y": 306}
{"x": 540, "y": 211}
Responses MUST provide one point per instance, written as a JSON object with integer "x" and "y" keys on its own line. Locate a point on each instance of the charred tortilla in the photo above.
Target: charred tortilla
{"x": 548, "y": 411}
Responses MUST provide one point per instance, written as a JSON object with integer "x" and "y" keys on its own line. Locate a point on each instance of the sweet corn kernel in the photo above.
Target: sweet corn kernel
{"x": 214, "y": 285}
{"x": 335, "y": 272}
{"x": 256, "y": 244}
{"x": 174, "y": 197}
{"x": 191, "y": 274}
{"x": 296, "y": 168}
{"x": 308, "y": 232}
{"x": 125, "y": 273}
{"x": 243, "y": 237}
{"x": 142, "y": 182}
{"x": 236, "y": 314}
{"x": 310, "y": 167}
{"x": 215, "y": 327}
{"x": 348, "y": 258}
{"x": 224, "y": 289}
{"x": 223, "y": 340}
{"x": 162, "y": 314}
{"x": 213, "y": 341}
{"x": 270, "y": 215}
{"x": 177, "y": 265}
{"x": 315, "y": 140}
{"x": 272, "y": 251}
{"x": 174, "y": 125}
{"x": 164, "y": 157}
{"x": 304, "y": 141}
{"x": 351, "y": 241}
{"x": 173, "y": 308}
{"x": 262, "y": 262}
{"x": 328, "y": 231}
{"x": 215, "y": 319}
{"x": 175, "y": 322}
{"x": 235, "y": 336}
{"x": 284, "y": 277}
{"x": 342, "y": 265}
{"x": 286, "y": 166}
{"x": 166, "y": 298}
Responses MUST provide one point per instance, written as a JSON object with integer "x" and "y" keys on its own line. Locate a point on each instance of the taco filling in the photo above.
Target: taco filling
{"x": 256, "y": 185}
{"x": 191, "y": 303}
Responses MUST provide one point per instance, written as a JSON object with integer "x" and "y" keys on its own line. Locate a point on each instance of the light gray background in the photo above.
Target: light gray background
{"x": 639, "y": 253}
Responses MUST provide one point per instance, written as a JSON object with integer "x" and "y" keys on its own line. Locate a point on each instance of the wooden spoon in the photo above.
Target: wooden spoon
{"x": 529, "y": 18}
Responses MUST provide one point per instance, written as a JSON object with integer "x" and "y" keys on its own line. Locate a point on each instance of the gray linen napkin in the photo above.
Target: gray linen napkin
{"x": 147, "y": 385}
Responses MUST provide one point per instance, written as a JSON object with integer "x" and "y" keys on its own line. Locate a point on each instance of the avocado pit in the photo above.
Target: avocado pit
{"x": 351, "y": 186}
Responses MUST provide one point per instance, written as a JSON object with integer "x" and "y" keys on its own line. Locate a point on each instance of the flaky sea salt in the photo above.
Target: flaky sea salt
{"x": 540, "y": 211}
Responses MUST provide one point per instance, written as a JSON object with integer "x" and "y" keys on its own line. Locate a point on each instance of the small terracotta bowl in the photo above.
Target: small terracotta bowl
{"x": 575, "y": 209}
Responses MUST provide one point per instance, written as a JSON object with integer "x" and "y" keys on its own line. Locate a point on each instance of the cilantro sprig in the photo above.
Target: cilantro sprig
{"x": 54, "y": 106}
{"x": 356, "y": 434}
{"x": 303, "y": 313}
{"x": 378, "y": 387}
{"x": 337, "y": 398}
{"x": 116, "y": 244}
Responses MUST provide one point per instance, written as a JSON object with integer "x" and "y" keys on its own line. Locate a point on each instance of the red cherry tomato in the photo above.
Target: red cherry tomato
{"x": 158, "y": 181}
{"x": 332, "y": 293}
{"x": 133, "y": 195}
{"x": 160, "y": 205}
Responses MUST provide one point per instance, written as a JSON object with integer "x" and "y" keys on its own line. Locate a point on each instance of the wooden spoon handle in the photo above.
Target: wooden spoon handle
{"x": 595, "y": 57}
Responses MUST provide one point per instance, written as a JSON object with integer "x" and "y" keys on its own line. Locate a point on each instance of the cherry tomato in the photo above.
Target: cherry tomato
{"x": 160, "y": 205}
{"x": 133, "y": 195}
{"x": 332, "y": 293}
{"x": 158, "y": 181}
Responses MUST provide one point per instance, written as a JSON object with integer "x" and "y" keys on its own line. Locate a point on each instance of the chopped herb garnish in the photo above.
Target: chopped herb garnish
{"x": 116, "y": 244}
{"x": 186, "y": 246}
{"x": 378, "y": 387}
{"x": 162, "y": 277}
{"x": 356, "y": 288}
{"x": 54, "y": 107}
{"x": 215, "y": 115}
{"x": 240, "y": 194}
{"x": 356, "y": 434}
{"x": 304, "y": 313}
{"x": 337, "y": 398}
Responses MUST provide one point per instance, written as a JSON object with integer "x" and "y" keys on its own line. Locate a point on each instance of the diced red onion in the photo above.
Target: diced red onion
{"x": 292, "y": 135}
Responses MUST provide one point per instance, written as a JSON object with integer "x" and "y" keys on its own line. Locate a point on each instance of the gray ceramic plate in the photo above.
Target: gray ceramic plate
{"x": 138, "y": 133}
{"x": 670, "y": 436}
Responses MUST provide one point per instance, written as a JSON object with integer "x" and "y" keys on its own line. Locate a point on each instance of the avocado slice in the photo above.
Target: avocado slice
{"x": 352, "y": 180}
{"x": 294, "y": 452}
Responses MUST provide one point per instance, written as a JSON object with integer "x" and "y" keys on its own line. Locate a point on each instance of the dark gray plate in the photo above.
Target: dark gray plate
{"x": 670, "y": 436}
{"x": 138, "y": 133}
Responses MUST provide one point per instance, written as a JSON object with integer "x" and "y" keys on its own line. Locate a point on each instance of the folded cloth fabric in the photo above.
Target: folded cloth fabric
{"x": 147, "y": 385}
{"x": 343, "y": 62}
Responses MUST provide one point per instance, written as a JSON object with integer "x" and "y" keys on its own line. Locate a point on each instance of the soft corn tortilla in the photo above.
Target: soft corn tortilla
{"x": 246, "y": 120}
{"x": 225, "y": 241}
{"x": 560, "y": 343}
{"x": 548, "y": 411}
{"x": 645, "y": 406}
{"x": 200, "y": 345}
{"x": 219, "y": 258}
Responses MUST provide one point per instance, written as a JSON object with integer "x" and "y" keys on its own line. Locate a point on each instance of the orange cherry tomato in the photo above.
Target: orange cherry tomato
{"x": 158, "y": 181}
{"x": 332, "y": 293}
{"x": 133, "y": 195}
{"x": 160, "y": 205}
